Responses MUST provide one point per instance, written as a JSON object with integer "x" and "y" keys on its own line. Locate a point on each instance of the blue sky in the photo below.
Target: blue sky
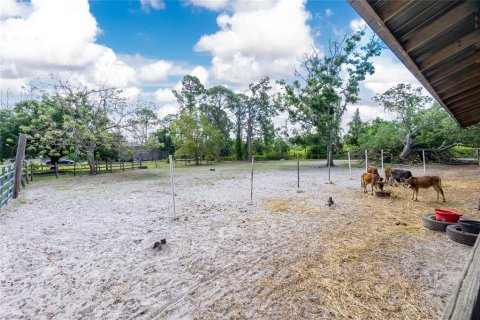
{"x": 145, "y": 47}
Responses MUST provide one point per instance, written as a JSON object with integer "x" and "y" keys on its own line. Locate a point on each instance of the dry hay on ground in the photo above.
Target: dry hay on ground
{"x": 369, "y": 265}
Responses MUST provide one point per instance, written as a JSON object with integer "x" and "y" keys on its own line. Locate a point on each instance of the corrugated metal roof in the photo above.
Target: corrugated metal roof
{"x": 439, "y": 42}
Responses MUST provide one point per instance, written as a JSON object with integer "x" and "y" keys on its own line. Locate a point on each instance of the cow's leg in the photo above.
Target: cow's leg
{"x": 372, "y": 188}
{"x": 440, "y": 190}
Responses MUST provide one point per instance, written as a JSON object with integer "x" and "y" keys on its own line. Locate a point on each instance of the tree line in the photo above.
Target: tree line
{"x": 217, "y": 123}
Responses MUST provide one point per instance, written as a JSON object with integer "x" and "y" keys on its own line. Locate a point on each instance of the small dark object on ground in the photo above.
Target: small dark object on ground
{"x": 330, "y": 202}
{"x": 158, "y": 244}
{"x": 400, "y": 223}
{"x": 142, "y": 167}
{"x": 212, "y": 169}
{"x": 382, "y": 193}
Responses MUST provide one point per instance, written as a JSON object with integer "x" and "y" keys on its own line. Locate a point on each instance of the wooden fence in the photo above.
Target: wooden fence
{"x": 7, "y": 180}
{"x": 33, "y": 169}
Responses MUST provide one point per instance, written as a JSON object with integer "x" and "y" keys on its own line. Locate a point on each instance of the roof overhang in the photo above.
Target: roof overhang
{"x": 439, "y": 42}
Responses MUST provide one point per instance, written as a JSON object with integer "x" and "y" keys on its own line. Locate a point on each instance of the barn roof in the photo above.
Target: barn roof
{"x": 439, "y": 42}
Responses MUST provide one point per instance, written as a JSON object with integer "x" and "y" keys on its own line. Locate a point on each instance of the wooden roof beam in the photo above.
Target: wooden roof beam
{"x": 462, "y": 88}
{"x": 467, "y": 114}
{"x": 457, "y": 80}
{"x": 461, "y": 104}
{"x": 463, "y": 96}
{"x": 391, "y": 8}
{"x": 446, "y": 21}
{"x": 465, "y": 63}
{"x": 473, "y": 38}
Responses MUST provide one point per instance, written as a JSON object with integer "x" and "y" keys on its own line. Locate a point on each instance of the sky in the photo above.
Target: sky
{"x": 145, "y": 47}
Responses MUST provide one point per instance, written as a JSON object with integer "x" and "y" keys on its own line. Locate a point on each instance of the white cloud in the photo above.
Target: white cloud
{"x": 155, "y": 72}
{"x": 165, "y": 95}
{"x": 388, "y": 73}
{"x": 259, "y": 38}
{"x": 201, "y": 73}
{"x": 56, "y": 38}
{"x": 152, "y": 4}
{"x": 12, "y": 8}
{"x": 328, "y": 12}
{"x": 357, "y": 24}
{"x": 210, "y": 4}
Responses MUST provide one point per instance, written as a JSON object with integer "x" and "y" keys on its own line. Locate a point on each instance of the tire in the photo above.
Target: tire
{"x": 455, "y": 233}
{"x": 429, "y": 222}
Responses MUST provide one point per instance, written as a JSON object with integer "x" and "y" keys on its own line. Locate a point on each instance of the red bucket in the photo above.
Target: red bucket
{"x": 447, "y": 215}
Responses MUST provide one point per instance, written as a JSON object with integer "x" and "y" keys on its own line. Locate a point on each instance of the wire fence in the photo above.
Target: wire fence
{"x": 7, "y": 181}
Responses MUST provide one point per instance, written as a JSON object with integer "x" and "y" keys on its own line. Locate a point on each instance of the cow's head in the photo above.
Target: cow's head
{"x": 379, "y": 183}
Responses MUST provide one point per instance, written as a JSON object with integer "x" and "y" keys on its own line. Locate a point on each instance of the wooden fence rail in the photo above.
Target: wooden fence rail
{"x": 7, "y": 180}
{"x": 77, "y": 168}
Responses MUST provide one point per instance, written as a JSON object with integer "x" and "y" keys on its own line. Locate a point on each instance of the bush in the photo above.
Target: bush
{"x": 464, "y": 152}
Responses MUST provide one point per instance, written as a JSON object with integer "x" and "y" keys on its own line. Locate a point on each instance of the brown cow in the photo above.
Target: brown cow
{"x": 372, "y": 169}
{"x": 425, "y": 182}
{"x": 371, "y": 178}
{"x": 388, "y": 174}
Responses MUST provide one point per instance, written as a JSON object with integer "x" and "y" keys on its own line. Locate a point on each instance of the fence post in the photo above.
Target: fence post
{"x": 56, "y": 170}
{"x": 22, "y": 143}
{"x": 132, "y": 164}
{"x": 251, "y": 182}
{"x": 349, "y": 165}
{"x": 381, "y": 151}
{"x": 74, "y": 168}
{"x": 366, "y": 160}
{"x": 111, "y": 166}
{"x": 31, "y": 171}
{"x": 173, "y": 183}
{"x": 2, "y": 181}
{"x": 423, "y": 156}
{"x": 329, "y": 155}
{"x": 25, "y": 166}
{"x": 298, "y": 172}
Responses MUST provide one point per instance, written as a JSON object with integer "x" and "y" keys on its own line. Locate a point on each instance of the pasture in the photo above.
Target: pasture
{"x": 81, "y": 247}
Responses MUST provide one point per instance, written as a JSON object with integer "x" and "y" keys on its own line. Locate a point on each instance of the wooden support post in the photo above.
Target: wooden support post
{"x": 31, "y": 171}
{"x": 22, "y": 143}
{"x": 75, "y": 168}
{"x": 56, "y": 170}
{"x": 132, "y": 164}
{"x": 111, "y": 166}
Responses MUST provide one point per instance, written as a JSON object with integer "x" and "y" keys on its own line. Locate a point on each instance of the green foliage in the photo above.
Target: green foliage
{"x": 9, "y": 131}
{"x": 320, "y": 101}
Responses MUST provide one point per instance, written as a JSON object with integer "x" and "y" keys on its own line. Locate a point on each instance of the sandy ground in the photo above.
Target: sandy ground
{"x": 81, "y": 248}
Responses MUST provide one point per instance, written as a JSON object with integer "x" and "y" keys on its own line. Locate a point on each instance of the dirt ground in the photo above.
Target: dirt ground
{"x": 81, "y": 248}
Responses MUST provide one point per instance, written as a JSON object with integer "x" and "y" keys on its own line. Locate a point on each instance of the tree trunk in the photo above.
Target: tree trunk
{"x": 407, "y": 149}
{"x": 53, "y": 162}
{"x": 91, "y": 162}
{"x": 238, "y": 142}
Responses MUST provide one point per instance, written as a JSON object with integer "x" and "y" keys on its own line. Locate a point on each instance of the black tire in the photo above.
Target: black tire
{"x": 455, "y": 233}
{"x": 429, "y": 221}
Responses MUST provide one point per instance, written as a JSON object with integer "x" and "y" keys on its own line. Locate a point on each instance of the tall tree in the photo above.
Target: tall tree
{"x": 192, "y": 94}
{"x": 44, "y": 121}
{"x": 238, "y": 109}
{"x": 406, "y": 103}
{"x": 330, "y": 82}
{"x": 218, "y": 100}
{"x": 9, "y": 132}
{"x": 355, "y": 128}
{"x": 259, "y": 110}
{"x": 94, "y": 117}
